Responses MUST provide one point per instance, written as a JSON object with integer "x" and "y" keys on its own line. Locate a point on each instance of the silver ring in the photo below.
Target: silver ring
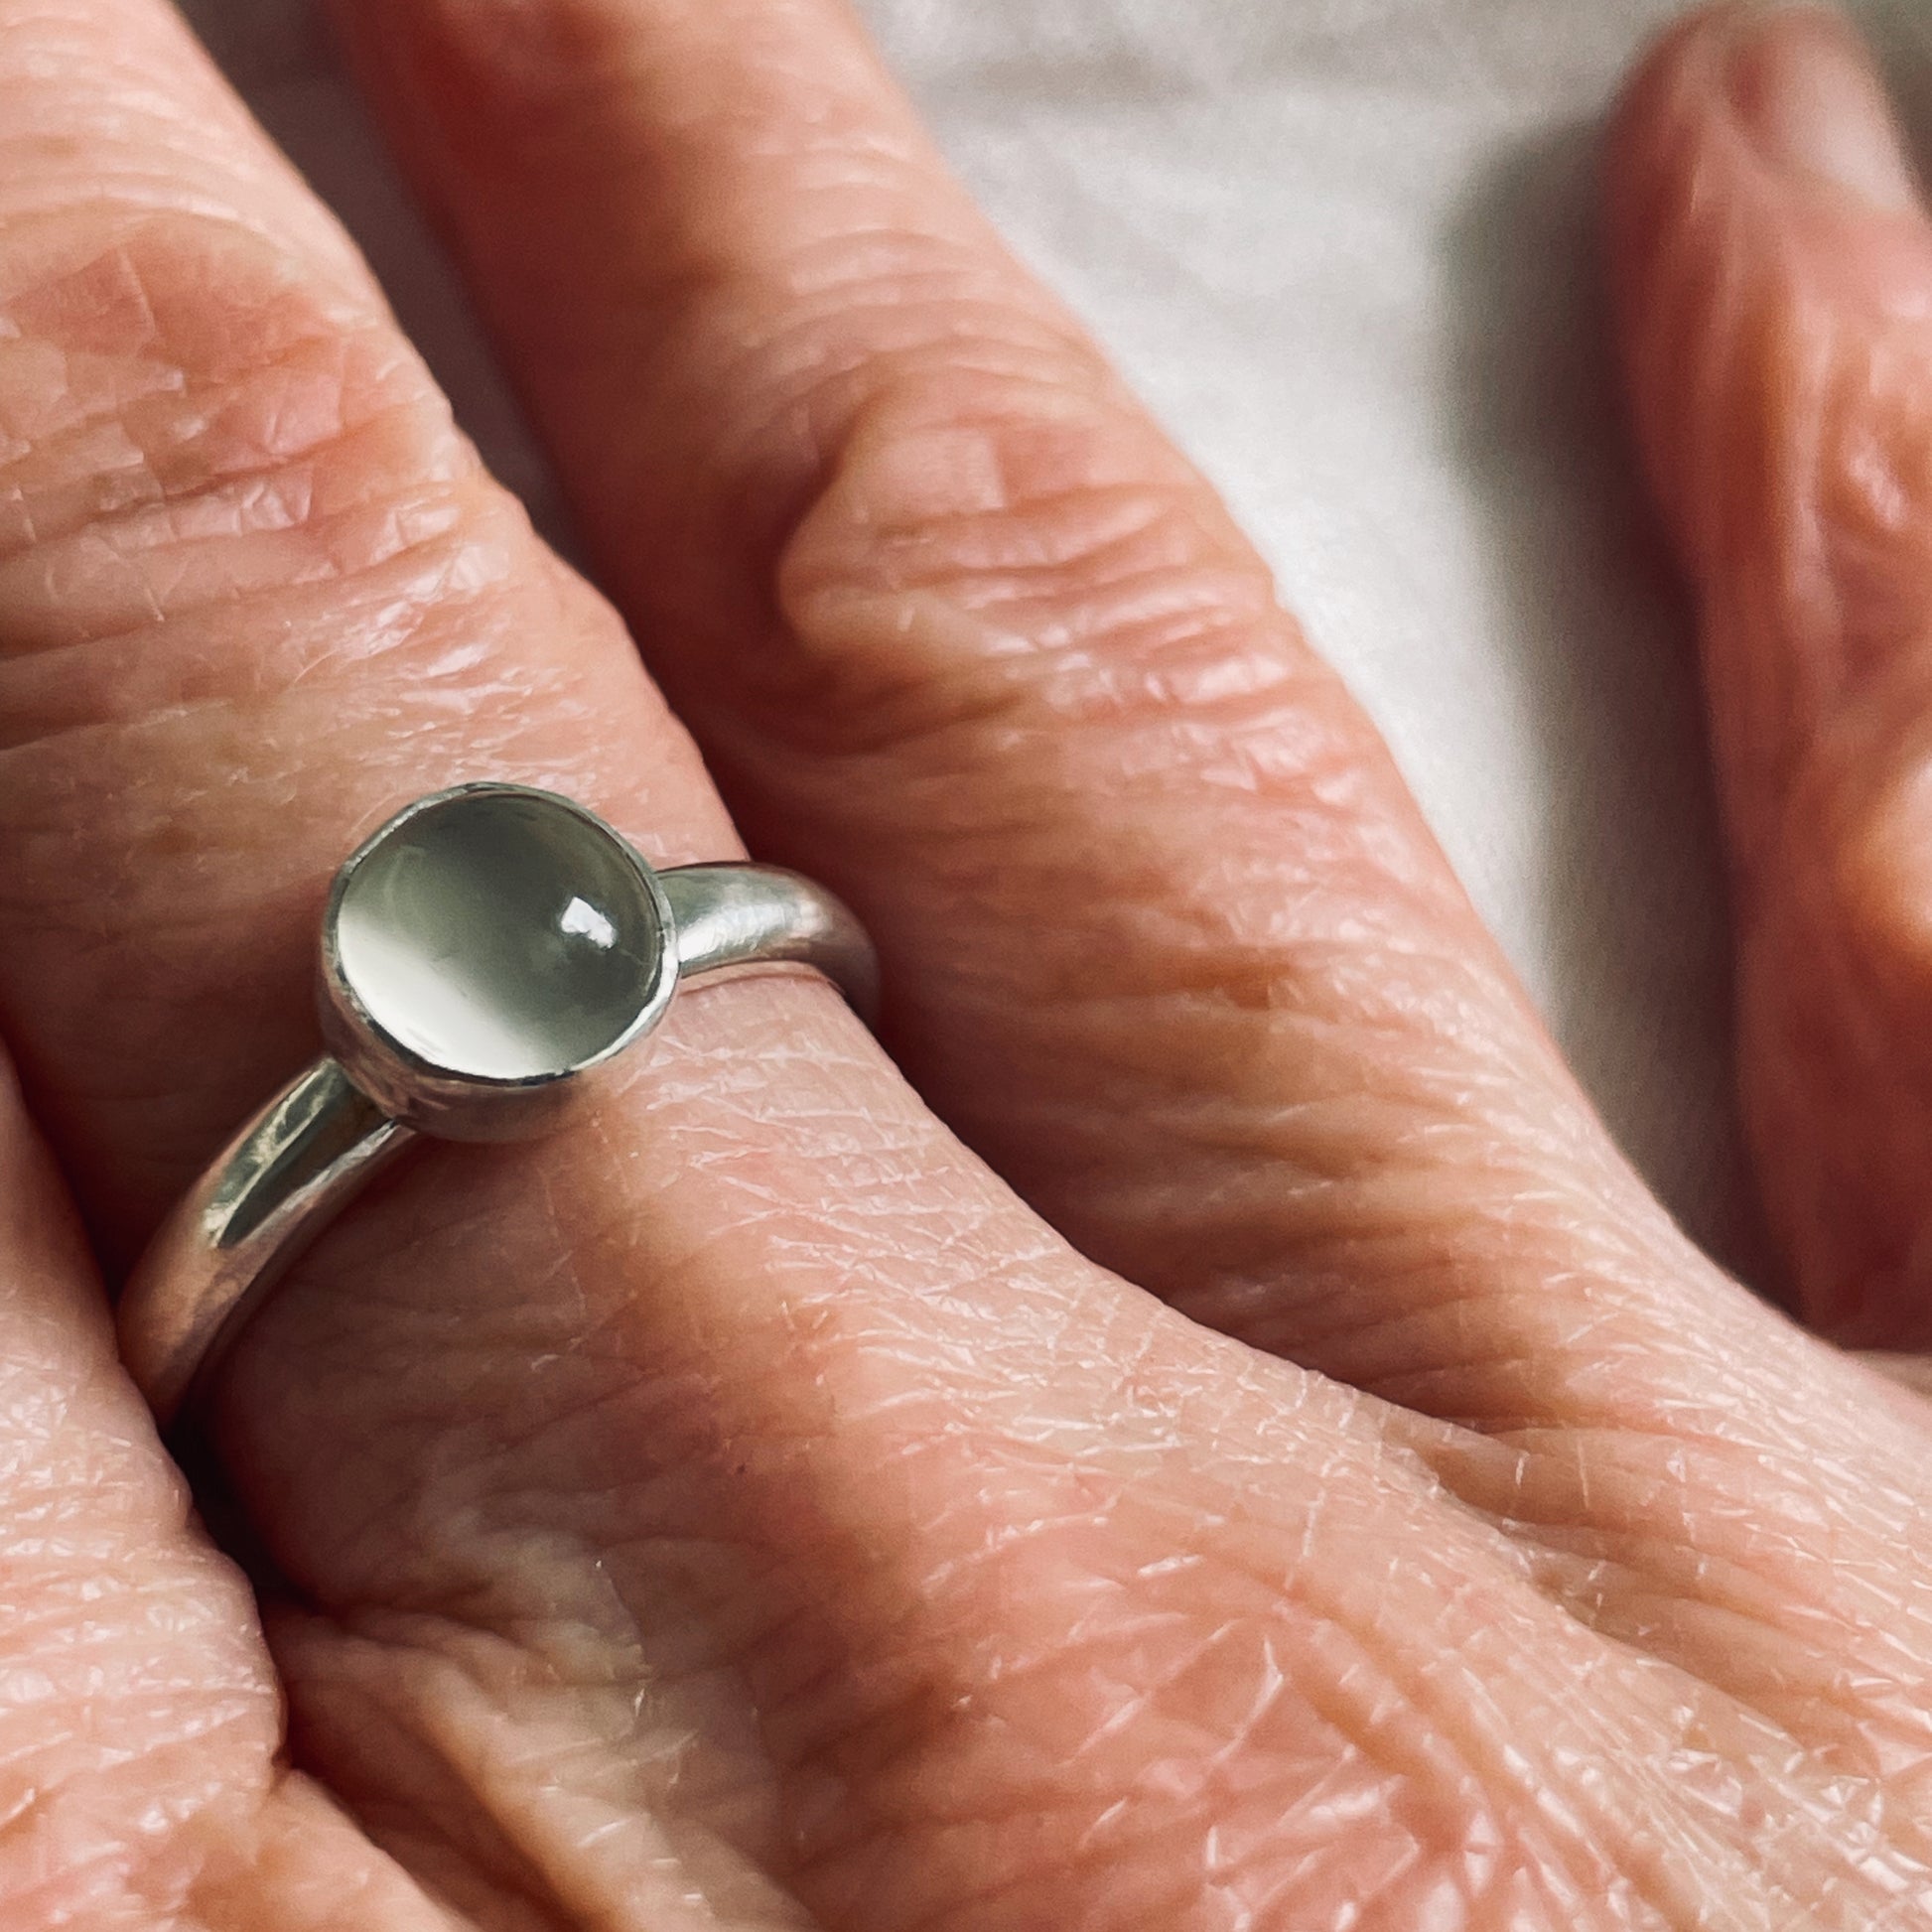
{"x": 485, "y": 955}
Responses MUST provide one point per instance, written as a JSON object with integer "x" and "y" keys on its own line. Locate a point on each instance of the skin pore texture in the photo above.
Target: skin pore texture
{"x": 1196, "y": 1428}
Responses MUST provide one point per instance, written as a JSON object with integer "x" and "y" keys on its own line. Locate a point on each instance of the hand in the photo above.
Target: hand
{"x": 741, "y": 1510}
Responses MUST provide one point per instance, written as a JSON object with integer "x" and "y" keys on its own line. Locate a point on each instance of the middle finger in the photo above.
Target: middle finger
{"x": 962, "y": 633}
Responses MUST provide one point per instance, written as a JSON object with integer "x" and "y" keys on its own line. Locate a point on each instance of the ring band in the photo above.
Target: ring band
{"x": 485, "y": 954}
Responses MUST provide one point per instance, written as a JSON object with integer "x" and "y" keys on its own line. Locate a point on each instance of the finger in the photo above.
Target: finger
{"x": 1774, "y": 264}
{"x": 1165, "y": 935}
{"x": 247, "y": 567}
{"x": 140, "y": 1723}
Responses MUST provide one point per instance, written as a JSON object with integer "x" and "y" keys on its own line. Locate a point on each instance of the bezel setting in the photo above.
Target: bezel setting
{"x": 455, "y": 1102}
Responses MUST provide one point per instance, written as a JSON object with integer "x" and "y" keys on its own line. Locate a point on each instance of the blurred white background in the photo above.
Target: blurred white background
{"x": 1346, "y": 249}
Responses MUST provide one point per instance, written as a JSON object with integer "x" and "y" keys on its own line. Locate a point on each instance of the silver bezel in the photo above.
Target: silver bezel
{"x": 461, "y": 1106}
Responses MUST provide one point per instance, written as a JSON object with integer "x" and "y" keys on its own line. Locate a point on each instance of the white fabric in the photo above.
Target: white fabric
{"x": 1344, "y": 248}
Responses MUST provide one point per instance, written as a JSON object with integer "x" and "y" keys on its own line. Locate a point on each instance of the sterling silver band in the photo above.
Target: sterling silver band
{"x": 311, "y": 1151}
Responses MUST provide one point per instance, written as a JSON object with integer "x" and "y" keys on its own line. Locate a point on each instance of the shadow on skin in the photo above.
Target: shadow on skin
{"x": 1600, "y": 631}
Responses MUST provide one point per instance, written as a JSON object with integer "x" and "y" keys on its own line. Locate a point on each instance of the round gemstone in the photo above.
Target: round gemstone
{"x": 500, "y": 934}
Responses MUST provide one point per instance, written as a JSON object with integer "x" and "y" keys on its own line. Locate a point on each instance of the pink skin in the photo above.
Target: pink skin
{"x": 746, "y": 1510}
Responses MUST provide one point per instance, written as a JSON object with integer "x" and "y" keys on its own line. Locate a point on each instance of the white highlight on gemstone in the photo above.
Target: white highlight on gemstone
{"x": 500, "y": 935}
{"x": 581, "y": 916}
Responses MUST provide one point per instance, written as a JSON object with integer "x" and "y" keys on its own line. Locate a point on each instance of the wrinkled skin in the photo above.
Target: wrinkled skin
{"x": 750, "y": 1509}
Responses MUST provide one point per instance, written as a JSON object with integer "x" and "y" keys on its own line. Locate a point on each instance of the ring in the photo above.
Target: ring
{"x": 485, "y": 955}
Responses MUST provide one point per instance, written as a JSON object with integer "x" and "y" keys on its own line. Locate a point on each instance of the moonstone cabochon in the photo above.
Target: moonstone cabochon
{"x": 499, "y": 935}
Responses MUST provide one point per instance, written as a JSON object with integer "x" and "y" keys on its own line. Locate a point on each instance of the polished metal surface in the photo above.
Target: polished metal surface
{"x": 731, "y": 920}
{"x": 265, "y": 1197}
{"x": 293, "y": 1167}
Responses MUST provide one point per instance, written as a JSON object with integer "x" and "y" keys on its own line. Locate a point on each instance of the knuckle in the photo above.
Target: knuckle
{"x": 186, "y": 415}
{"x": 998, "y": 533}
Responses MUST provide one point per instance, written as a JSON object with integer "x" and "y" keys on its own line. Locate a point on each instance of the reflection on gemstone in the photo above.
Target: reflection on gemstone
{"x": 583, "y": 917}
{"x": 500, "y": 935}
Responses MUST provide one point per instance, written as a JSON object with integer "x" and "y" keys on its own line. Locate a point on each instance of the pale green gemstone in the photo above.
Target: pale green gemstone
{"x": 500, "y": 936}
